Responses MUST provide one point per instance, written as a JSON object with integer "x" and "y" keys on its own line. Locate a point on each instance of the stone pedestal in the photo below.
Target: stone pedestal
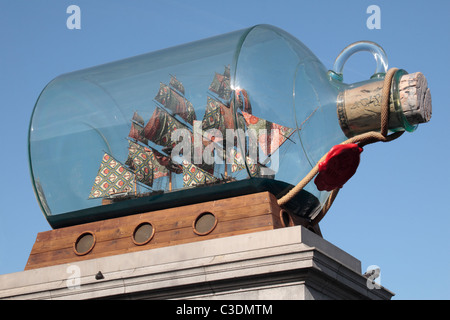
{"x": 286, "y": 263}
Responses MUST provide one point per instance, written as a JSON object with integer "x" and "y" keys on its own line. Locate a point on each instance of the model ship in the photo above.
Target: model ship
{"x": 150, "y": 145}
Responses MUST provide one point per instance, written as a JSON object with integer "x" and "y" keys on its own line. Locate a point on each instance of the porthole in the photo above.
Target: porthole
{"x": 286, "y": 219}
{"x": 143, "y": 233}
{"x": 84, "y": 243}
{"x": 204, "y": 223}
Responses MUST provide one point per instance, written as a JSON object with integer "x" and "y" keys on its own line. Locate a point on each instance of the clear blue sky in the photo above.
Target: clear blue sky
{"x": 393, "y": 213}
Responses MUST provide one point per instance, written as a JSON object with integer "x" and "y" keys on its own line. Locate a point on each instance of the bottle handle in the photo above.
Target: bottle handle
{"x": 375, "y": 49}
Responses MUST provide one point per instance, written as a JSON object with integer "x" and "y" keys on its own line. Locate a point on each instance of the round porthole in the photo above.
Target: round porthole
{"x": 286, "y": 219}
{"x": 205, "y": 223}
{"x": 84, "y": 243}
{"x": 143, "y": 233}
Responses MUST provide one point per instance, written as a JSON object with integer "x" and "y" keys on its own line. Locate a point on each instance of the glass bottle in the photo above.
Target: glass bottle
{"x": 256, "y": 109}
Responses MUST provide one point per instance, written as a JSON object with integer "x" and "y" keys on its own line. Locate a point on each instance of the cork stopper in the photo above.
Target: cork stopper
{"x": 359, "y": 108}
{"x": 415, "y": 98}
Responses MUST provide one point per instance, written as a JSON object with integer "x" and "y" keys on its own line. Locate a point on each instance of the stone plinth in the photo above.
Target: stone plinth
{"x": 287, "y": 263}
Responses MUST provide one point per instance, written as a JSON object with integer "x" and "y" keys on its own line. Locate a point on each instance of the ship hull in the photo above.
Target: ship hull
{"x": 305, "y": 205}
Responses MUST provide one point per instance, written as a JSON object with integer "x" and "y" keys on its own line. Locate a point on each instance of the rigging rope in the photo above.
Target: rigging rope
{"x": 361, "y": 140}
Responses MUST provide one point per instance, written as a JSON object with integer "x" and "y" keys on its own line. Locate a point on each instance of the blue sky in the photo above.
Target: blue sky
{"x": 393, "y": 213}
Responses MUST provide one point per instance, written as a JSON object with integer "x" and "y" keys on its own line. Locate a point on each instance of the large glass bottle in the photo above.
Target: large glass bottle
{"x": 260, "y": 86}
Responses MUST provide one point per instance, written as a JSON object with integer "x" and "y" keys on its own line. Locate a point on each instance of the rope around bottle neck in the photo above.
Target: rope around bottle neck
{"x": 361, "y": 139}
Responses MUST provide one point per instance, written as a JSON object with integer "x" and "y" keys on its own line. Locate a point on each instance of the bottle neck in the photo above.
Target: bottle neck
{"x": 359, "y": 107}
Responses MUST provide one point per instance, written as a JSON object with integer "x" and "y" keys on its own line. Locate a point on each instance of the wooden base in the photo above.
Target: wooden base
{"x": 197, "y": 222}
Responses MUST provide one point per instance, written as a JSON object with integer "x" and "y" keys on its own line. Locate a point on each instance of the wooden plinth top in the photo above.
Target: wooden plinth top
{"x": 148, "y": 230}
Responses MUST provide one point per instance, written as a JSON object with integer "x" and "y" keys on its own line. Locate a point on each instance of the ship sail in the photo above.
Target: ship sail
{"x": 238, "y": 164}
{"x": 148, "y": 163}
{"x": 176, "y": 84}
{"x": 160, "y": 127}
{"x": 193, "y": 175}
{"x": 172, "y": 98}
{"x": 217, "y": 116}
{"x": 221, "y": 111}
{"x": 173, "y": 111}
{"x": 140, "y": 160}
{"x": 112, "y": 178}
{"x": 137, "y": 128}
{"x": 221, "y": 84}
{"x": 266, "y": 140}
{"x": 242, "y": 101}
{"x": 161, "y": 163}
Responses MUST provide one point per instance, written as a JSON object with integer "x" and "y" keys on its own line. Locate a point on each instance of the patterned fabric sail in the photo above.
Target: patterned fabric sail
{"x": 219, "y": 116}
{"x": 176, "y": 84}
{"x": 193, "y": 175}
{"x": 242, "y": 101}
{"x": 221, "y": 84}
{"x": 214, "y": 117}
{"x": 139, "y": 157}
{"x": 112, "y": 177}
{"x": 140, "y": 160}
{"x": 176, "y": 103}
{"x": 160, "y": 164}
{"x": 238, "y": 164}
{"x": 267, "y": 141}
{"x": 137, "y": 128}
{"x": 160, "y": 127}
